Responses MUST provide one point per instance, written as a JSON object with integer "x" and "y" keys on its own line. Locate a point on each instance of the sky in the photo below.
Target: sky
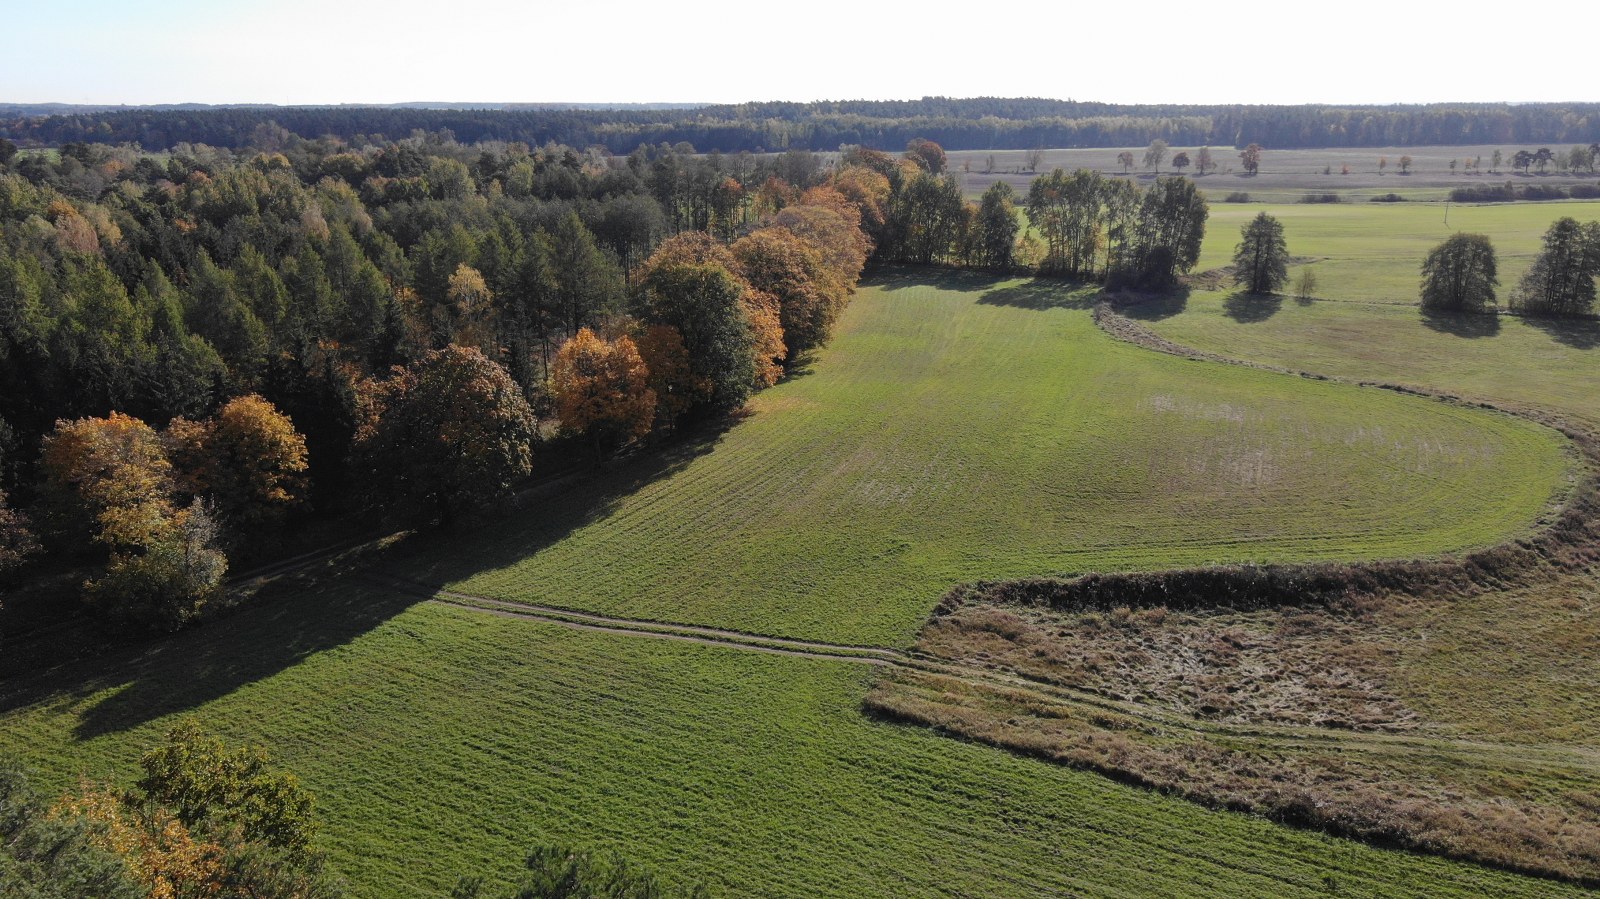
{"x": 362, "y": 51}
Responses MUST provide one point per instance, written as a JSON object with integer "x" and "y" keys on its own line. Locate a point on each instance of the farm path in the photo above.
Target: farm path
{"x": 1070, "y": 701}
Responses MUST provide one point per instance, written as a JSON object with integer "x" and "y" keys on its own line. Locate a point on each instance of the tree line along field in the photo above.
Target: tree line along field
{"x": 1285, "y": 176}
{"x": 442, "y": 740}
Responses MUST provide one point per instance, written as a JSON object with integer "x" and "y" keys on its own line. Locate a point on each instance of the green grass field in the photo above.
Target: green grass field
{"x": 1373, "y": 252}
{"x": 441, "y": 741}
{"x": 1531, "y": 363}
{"x": 956, "y": 429}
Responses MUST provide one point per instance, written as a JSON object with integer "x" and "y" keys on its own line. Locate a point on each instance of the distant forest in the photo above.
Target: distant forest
{"x": 957, "y": 124}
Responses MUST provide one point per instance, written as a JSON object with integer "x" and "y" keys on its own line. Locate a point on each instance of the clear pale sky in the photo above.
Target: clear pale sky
{"x": 364, "y": 51}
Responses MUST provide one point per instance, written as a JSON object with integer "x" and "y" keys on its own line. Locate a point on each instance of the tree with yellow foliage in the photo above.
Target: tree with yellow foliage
{"x": 249, "y": 460}
{"x": 602, "y": 389}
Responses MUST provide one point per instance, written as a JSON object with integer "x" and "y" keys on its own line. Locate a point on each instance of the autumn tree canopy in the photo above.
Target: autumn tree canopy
{"x": 602, "y": 389}
{"x": 445, "y": 434}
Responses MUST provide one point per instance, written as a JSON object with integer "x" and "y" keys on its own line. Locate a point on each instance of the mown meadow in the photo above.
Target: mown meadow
{"x": 957, "y": 428}
{"x": 961, "y": 429}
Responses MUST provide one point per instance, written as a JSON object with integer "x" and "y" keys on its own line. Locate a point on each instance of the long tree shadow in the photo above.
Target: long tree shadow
{"x": 500, "y": 542}
{"x": 900, "y": 277}
{"x": 1578, "y": 333}
{"x": 291, "y": 622}
{"x": 1462, "y": 324}
{"x": 1250, "y": 308}
{"x": 1152, "y": 307}
{"x": 1044, "y": 293}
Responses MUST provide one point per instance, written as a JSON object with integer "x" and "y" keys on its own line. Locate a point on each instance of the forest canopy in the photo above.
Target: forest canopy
{"x": 955, "y": 123}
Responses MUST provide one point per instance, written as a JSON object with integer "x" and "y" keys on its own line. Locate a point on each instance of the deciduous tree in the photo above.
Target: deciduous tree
{"x": 1250, "y": 158}
{"x": 1262, "y": 257}
{"x": 450, "y": 432}
{"x": 927, "y": 155}
{"x": 602, "y": 389}
{"x": 1561, "y": 279}
{"x": 249, "y": 459}
{"x": 996, "y": 227}
{"x": 810, "y": 298}
{"x": 690, "y": 284}
{"x": 1459, "y": 275}
{"x": 1154, "y": 153}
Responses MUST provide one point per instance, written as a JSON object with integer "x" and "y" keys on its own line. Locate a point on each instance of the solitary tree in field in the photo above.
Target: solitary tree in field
{"x": 1459, "y": 275}
{"x": 1180, "y": 162}
{"x": 1261, "y": 261}
{"x": 1405, "y": 165}
{"x": 1383, "y": 163}
{"x": 1203, "y": 162}
{"x": 1035, "y": 158}
{"x": 1153, "y": 155}
{"x": 1125, "y": 159}
{"x": 1561, "y": 280}
{"x": 1495, "y": 160}
{"x": 1250, "y": 157}
{"x": 1305, "y": 286}
{"x": 1522, "y": 160}
{"x": 1542, "y": 158}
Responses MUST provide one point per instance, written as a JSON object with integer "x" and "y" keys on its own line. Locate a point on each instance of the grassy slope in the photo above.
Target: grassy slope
{"x": 441, "y": 741}
{"x": 952, "y": 433}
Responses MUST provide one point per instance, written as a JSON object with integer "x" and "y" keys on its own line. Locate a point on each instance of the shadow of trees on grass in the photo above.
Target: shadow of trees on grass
{"x": 1578, "y": 333}
{"x": 1462, "y": 324}
{"x": 1250, "y": 308}
{"x": 291, "y": 621}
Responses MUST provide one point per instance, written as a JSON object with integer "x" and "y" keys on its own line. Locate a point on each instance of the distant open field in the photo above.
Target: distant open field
{"x": 1285, "y": 175}
{"x": 1373, "y": 252}
{"x": 1363, "y": 323}
{"x": 957, "y": 428}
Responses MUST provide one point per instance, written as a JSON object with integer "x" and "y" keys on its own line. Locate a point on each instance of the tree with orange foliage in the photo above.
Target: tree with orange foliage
{"x": 928, "y": 155}
{"x": 106, "y": 480}
{"x": 809, "y": 295}
{"x": 602, "y": 389}
{"x": 767, "y": 351}
{"x": 207, "y": 821}
{"x": 674, "y": 382}
{"x": 773, "y": 195}
{"x": 163, "y": 856}
{"x": 868, "y": 191}
{"x": 842, "y": 245}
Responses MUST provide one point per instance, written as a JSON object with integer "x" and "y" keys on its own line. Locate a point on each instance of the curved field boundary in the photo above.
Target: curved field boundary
{"x": 1567, "y": 541}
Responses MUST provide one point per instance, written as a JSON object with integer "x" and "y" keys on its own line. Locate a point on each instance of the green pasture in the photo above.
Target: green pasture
{"x": 441, "y": 741}
{"x": 961, "y": 429}
{"x": 1373, "y": 252}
